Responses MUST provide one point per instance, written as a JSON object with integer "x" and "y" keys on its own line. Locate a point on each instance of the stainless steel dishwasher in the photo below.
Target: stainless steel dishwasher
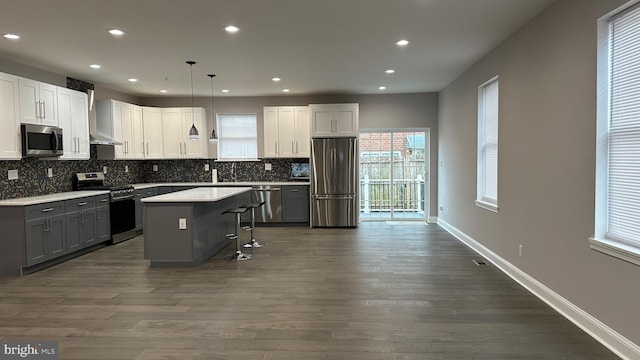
{"x": 271, "y": 211}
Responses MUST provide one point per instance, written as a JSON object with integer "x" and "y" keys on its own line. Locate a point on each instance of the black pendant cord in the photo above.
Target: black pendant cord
{"x": 213, "y": 136}
{"x": 193, "y": 132}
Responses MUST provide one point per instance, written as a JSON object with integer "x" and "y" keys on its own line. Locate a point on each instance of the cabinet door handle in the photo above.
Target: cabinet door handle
{"x": 82, "y": 204}
{"x": 296, "y": 147}
{"x": 37, "y": 109}
{"x": 147, "y": 148}
{"x": 47, "y": 210}
{"x": 292, "y": 149}
{"x": 49, "y": 224}
{"x": 44, "y": 110}
{"x": 103, "y": 200}
{"x": 277, "y": 147}
{"x": 294, "y": 190}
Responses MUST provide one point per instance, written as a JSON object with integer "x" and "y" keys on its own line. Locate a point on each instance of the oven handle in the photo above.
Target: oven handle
{"x": 122, "y": 198}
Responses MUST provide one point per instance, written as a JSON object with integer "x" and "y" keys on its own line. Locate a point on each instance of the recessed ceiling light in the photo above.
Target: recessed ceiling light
{"x": 164, "y": 91}
{"x": 95, "y": 66}
{"x": 231, "y": 29}
{"x": 285, "y": 90}
{"x": 402, "y": 42}
{"x": 11, "y": 36}
{"x": 116, "y": 32}
{"x": 276, "y": 79}
{"x": 390, "y": 71}
{"x": 225, "y": 90}
{"x": 132, "y": 79}
{"x": 382, "y": 88}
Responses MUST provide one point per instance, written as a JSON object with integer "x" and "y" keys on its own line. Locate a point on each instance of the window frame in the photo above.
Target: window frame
{"x": 222, "y": 138}
{"x": 600, "y": 241}
{"x": 482, "y": 200}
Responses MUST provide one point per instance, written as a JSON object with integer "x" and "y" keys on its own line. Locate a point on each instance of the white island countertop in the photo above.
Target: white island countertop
{"x": 200, "y": 194}
{"x": 222, "y": 184}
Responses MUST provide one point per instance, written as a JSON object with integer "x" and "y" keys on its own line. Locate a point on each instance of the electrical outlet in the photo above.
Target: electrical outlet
{"x": 155, "y": 167}
{"x": 182, "y": 224}
{"x": 12, "y": 174}
{"x": 441, "y": 209}
{"x": 104, "y": 169}
{"x": 267, "y": 167}
{"x": 50, "y": 172}
{"x": 126, "y": 168}
{"x": 206, "y": 167}
{"x": 520, "y": 250}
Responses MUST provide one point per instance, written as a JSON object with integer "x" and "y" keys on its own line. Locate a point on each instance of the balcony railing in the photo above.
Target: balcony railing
{"x": 401, "y": 195}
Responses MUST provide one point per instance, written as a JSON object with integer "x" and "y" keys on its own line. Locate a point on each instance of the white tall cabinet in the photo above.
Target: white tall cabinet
{"x": 176, "y": 123}
{"x": 286, "y": 131}
{"x": 10, "y": 143}
{"x": 73, "y": 118}
{"x": 38, "y": 102}
{"x": 334, "y": 120}
{"x": 152, "y": 129}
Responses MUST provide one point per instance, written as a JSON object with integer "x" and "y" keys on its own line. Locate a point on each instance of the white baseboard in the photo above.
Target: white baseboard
{"x": 617, "y": 343}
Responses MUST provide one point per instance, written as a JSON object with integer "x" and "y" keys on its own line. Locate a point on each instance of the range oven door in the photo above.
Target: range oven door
{"x": 123, "y": 219}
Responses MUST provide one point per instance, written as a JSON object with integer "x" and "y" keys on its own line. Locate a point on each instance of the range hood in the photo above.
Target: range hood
{"x": 99, "y": 133}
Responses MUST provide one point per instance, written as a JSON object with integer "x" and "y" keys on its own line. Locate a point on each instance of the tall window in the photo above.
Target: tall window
{"x": 488, "y": 145}
{"x": 617, "y": 218}
{"x": 237, "y": 137}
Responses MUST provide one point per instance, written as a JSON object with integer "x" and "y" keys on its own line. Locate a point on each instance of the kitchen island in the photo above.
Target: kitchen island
{"x": 185, "y": 228}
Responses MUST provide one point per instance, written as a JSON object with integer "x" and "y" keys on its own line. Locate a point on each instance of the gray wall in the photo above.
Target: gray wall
{"x": 376, "y": 112}
{"x": 546, "y": 162}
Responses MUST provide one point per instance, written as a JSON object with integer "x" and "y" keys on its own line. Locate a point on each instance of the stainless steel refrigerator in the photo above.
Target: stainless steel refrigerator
{"x": 334, "y": 182}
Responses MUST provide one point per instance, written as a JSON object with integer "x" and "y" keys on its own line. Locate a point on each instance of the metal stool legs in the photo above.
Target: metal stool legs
{"x": 252, "y": 243}
{"x": 238, "y": 255}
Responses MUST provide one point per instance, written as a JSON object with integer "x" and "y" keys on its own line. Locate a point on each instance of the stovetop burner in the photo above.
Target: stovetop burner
{"x": 95, "y": 181}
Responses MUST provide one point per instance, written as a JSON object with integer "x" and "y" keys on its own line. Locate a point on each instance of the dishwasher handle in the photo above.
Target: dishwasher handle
{"x": 264, "y": 188}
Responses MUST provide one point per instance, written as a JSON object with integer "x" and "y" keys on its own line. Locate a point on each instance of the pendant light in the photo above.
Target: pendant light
{"x": 213, "y": 138}
{"x": 193, "y": 132}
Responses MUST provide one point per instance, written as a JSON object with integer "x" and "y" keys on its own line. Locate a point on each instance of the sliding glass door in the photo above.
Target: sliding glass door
{"x": 393, "y": 174}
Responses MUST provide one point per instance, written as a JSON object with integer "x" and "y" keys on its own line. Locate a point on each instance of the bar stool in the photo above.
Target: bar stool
{"x": 238, "y": 255}
{"x": 252, "y": 243}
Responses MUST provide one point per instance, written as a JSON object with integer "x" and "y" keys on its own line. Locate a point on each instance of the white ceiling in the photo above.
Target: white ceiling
{"x": 315, "y": 46}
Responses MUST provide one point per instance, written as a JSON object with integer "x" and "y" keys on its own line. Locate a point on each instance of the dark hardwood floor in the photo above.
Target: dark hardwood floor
{"x": 378, "y": 292}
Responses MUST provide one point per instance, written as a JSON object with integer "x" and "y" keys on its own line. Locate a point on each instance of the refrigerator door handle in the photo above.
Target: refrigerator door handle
{"x": 333, "y": 197}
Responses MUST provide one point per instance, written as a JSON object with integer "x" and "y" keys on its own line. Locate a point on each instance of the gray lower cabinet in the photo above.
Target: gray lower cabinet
{"x": 44, "y": 232}
{"x": 103, "y": 221}
{"x": 81, "y": 223}
{"x": 139, "y": 195}
{"x": 295, "y": 203}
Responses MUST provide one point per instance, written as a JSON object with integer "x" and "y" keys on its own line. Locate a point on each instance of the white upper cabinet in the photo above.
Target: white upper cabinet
{"x": 176, "y": 123}
{"x": 286, "y": 131}
{"x": 10, "y": 143}
{"x": 73, "y": 118}
{"x": 334, "y": 120}
{"x": 152, "y": 129}
{"x": 38, "y": 102}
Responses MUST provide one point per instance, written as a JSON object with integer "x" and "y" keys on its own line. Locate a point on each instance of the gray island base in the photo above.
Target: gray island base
{"x": 185, "y": 228}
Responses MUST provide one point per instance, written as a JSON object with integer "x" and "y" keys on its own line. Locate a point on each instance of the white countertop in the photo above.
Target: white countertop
{"x": 33, "y": 200}
{"x": 199, "y": 194}
{"x": 222, "y": 184}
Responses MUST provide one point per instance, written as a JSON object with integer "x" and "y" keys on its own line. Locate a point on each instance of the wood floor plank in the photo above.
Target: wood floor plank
{"x": 376, "y": 292}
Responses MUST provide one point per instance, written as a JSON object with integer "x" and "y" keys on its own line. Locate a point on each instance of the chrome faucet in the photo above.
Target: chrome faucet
{"x": 234, "y": 176}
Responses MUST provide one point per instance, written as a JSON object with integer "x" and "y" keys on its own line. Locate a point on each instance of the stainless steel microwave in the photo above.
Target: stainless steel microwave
{"x": 41, "y": 140}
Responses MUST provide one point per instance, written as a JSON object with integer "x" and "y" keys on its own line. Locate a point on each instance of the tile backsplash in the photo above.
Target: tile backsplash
{"x": 33, "y": 179}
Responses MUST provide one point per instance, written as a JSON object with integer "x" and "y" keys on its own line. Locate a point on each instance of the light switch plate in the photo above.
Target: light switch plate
{"x": 50, "y": 172}
{"x": 126, "y": 168}
{"x": 206, "y": 167}
{"x": 155, "y": 167}
{"x": 12, "y": 174}
{"x": 104, "y": 169}
{"x": 267, "y": 167}
{"x": 182, "y": 224}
